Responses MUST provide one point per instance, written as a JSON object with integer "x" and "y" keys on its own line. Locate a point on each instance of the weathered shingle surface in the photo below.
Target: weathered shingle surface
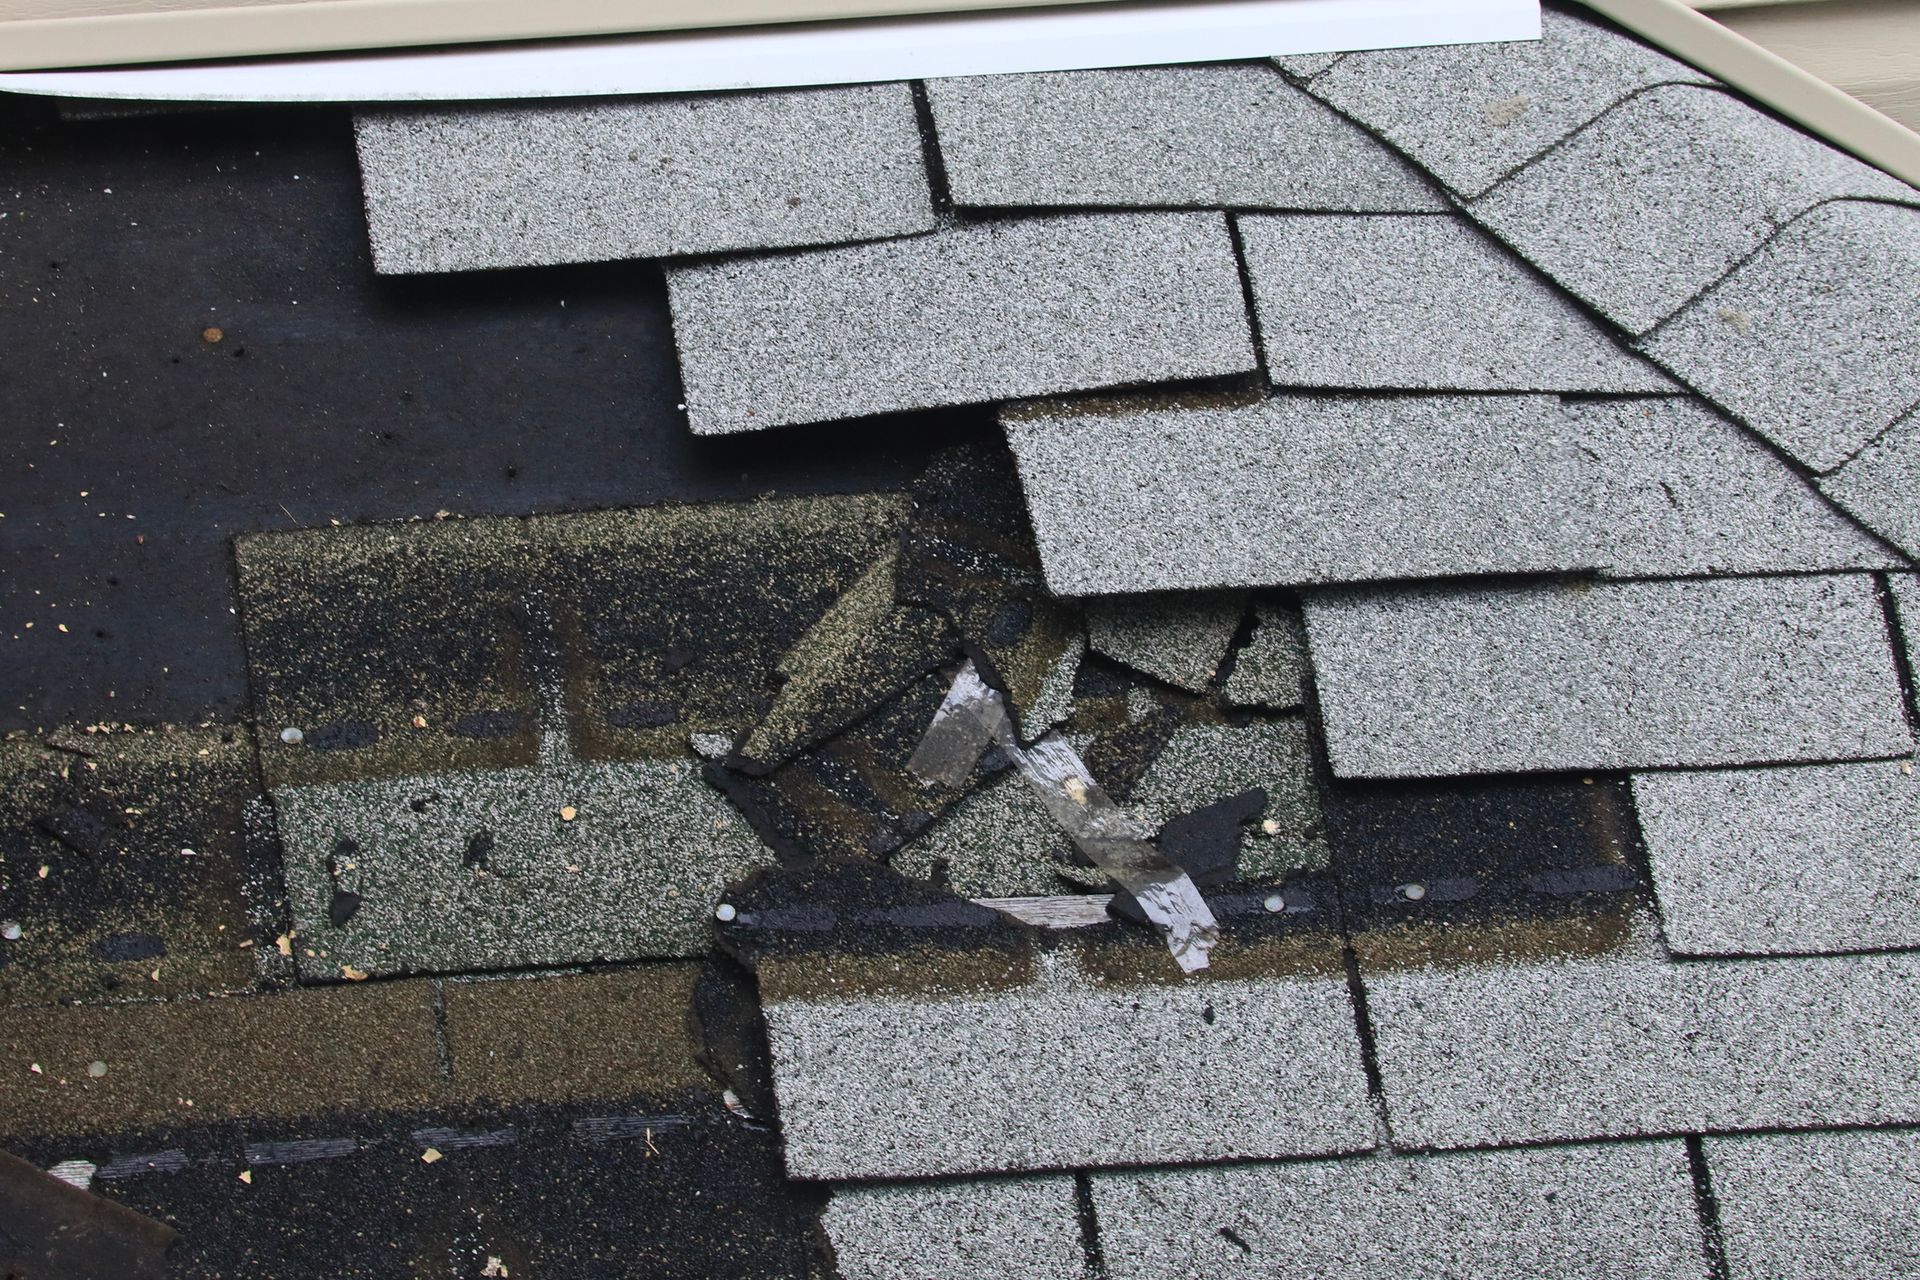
{"x": 1815, "y": 342}
{"x": 1881, "y": 485}
{"x": 1057, "y": 1073}
{"x": 1470, "y": 114}
{"x": 1617, "y": 1211}
{"x": 1628, "y": 1043}
{"x": 1138, "y": 495}
{"x": 1223, "y": 136}
{"x": 983, "y": 1229}
{"x": 1180, "y": 639}
{"x": 455, "y": 190}
{"x": 1810, "y": 859}
{"x": 1426, "y": 303}
{"x": 973, "y": 313}
{"x": 1436, "y": 681}
{"x": 1838, "y": 1206}
{"x": 1696, "y": 181}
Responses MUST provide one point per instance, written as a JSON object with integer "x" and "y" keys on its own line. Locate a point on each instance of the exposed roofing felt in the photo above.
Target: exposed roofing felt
{"x": 1471, "y": 114}
{"x": 1147, "y": 494}
{"x": 1227, "y": 136}
{"x": 1812, "y": 342}
{"x": 1432, "y": 681}
{"x": 1797, "y": 860}
{"x": 1424, "y": 303}
{"x": 1878, "y": 485}
{"x": 971, "y": 313}
{"x": 646, "y": 178}
{"x": 1618, "y": 1212}
{"x": 1697, "y": 180}
{"x": 1837, "y": 1205}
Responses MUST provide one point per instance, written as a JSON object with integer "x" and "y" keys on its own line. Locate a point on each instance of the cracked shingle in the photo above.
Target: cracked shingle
{"x": 1222, "y": 136}
{"x": 1613, "y": 1212}
{"x": 456, "y": 190}
{"x": 1423, "y": 303}
{"x": 1881, "y": 485}
{"x": 981, "y": 1229}
{"x": 970, "y": 314}
{"x": 1429, "y": 682}
{"x": 1627, "y": 1043}
{"x": 1271, "y": 669}
{"x": 1471, "y": 113}
{"x": 1799, "y": 860}
{"x": 1148, "y": 494}
{"x": 1838, "y": 1206}
{"x": 1664, "y": 195}
{"x": 1815, "y": 342}
{"x": 1179, "y": 639}
{"x": 1065, "y": 1069}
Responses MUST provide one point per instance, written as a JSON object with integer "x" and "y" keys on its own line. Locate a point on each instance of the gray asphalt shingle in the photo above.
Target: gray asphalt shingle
{"x": 1180, "y": 639}
{"x": 1146, "y": 494}
{"x": 1428, "y": 682}
{"x": 1271, "y": 669}
{"x": 1905, "y": 588}
{"x": 1815, "y": 342}
{"x": 1619, "y": 1211}
{"x": 473, "y": 187}
{"x": 1210, "y": 137}
{"x": 1068, "y": 1071}
{"x": 969, "y": 314}
{"x": 1695, "y": 180}
{"x": 1419, "y": 302}
{"x": 1629, "y": 1043}
{"x": 1818, "y": 1206}
{"x": 981, "y": 1229}
{"x": 1810, "y": 859}
{"x": 1881, "y": 485}
{"x": 1471, "y": 113}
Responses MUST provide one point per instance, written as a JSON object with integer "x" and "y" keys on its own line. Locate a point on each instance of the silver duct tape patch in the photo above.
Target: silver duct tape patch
{"x": 974, "y": 715}
{"x": 1068, "y": 911}
{"x": 76, "y": 1173}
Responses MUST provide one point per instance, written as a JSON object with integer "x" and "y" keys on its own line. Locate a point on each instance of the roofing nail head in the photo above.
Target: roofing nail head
{"x": 96, "y": 1068}
{"x": 1413, "y": 892}
{"x": 1275, "y": 903}
{"x": 292, "y": 736}
{"x": 725, "y": 913}
{"x": 10, "y": 931}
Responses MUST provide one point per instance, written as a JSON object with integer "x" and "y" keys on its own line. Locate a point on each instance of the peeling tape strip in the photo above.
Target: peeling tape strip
{"x": 1069, "y": 911}
{"x": 974, "y": 714}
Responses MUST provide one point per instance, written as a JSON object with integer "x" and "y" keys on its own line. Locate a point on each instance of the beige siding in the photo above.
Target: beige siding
{"x": 1870, "y": 48}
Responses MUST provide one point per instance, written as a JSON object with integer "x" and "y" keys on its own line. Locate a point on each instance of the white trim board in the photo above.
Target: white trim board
{"x": 851, "y": 52}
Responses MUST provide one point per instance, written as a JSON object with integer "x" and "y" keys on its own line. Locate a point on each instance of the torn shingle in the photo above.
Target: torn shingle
{"x": 1422, "y": 303}
{"x": 595, "y": 861}
{"x": 1270, "y": 671}
{"x": 1144, "y": 494}
{"x": 1815, "y": 342}
{"x": 1471, "y": 113}
{"x": 1065, "y": 1068}
{"x": 1205, "y": 763}
{"x": 1839, "y": 1206}
{"x": 1168, "y": 137}
{"x": 973, "y": 313}
{"x": 1179, "y": 639}
{"x": 1424, "y": 682}
{"x": 1626, "y": 1043}
{"x": 1613, "y": 1212}
{"x": 1801, "y": 860}
{"x": 982, "y": 1229}
{"x": 455, "y": 190}
{"x": 1695, "y": 180}
{"x": 1880, "y": 483}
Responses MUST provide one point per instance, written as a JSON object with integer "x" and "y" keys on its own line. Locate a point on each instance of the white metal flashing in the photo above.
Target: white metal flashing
{"x": 851, "y": 52}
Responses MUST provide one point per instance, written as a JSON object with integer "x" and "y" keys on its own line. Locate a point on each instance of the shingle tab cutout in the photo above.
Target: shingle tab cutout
{"x": 1471, "y": 113}
{"x": 1615, "y": 1212}
{"x": 455, "y": 190}
{"x": 1810, "y": 859}
{"x": 1143, "y": 494}
{"x": 1426, "y": 682}
{"x": 1017, "y": 1228}
{"x": 1831, "y": 1206}
{"x": 1423, "y": 303}
{"x": 1632, "y": 1044}
{"x": 1881, "y": 486}
{"x": 970, "y": 314}
{"x": 1062, "y": 1072}
{"x": 1694, "y": 181}
{"x": 1905, "y": 588}
{"x": 1815, "y": 342}
{"x": 1223, "y": 136}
